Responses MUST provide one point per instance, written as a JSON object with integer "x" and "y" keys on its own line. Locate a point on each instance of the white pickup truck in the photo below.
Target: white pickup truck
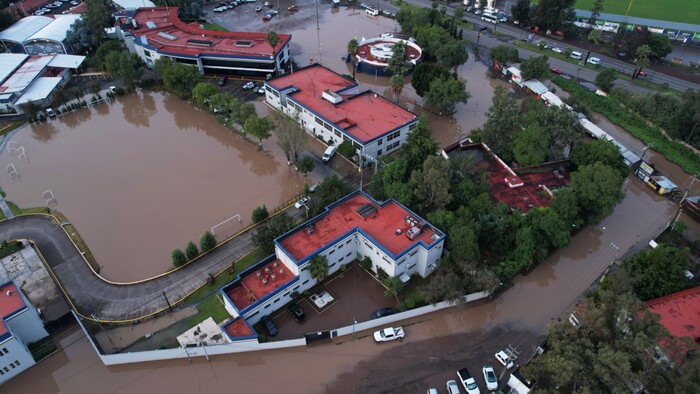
{"x": 389, "y": 334}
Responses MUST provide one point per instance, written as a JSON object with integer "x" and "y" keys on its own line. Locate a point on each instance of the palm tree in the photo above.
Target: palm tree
{"x": 594, "y": 37}
{"x": 353, "y": 47}
{"x": 318, "y": 267}
{"x": 396, "y": 82}
{"x": 643, "y": 53}
{"x": 273, "y": 40}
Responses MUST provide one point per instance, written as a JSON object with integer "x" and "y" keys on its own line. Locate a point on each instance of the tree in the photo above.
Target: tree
{"x": 660, "y": 45}
{"x": 191, "y": 250}
{"x": 463, "y": 243}
{"x": 432, "y": 183}
{"x": 445, "y": 93}
{"x": 125, "y": 65}
{"x": 273, "y": 40}
{"x": 318, "y": 267}
{"x": 190, "y": 10}
{"x": 552, "y": 15}
{"x": 79, "y": 36}
{"x": 420, "y": 145}
{"x": 202, "y": 92}
{"x": 595, "y": 13}
{"x": 503, "y": 54}
{"x": 347, "y": 150}
{"x": 291, "y": 138}
{"x": 353, "y": 47}
{"x": 266, "y": 233}
{"x": 530, "y": 146}
{"x": 597, "y": 190}
{"x": 535, "y": 67}
{"x": 94, "y": 88}
{"x": 241, "y": 111}
{"x": 560, "y": 122}
{"x": 522, "y": 12}
{"x": 179, "y": 78}
{"x": 501, "y": 117}
{"x": 393, "y": 286}
{"x": 97, "y": 17}
{"x": 596, "y": 151}
{"x": 566, "y": 206}
{"x": 594, "y": 37}
{"x": 396, "y": 82}
{"x": 397, "y": 64}
{"x": 643, "y": 53}
{"x": 97, "y": 60}
{"x": 453, "y": 53}
{"x": 6, "y": 20}
{"x": 424, "y": 74}
{"x": 305, "y": 165}
{"x": 207, "y": 242}
{"x": 178, "y": 257}
{"x": 658, "y": 272}
{"x": 258, "y": 128}
{"x": 606, "y": 79}
{"x": 431, "y": 38}
{"x": 259, "y": 214}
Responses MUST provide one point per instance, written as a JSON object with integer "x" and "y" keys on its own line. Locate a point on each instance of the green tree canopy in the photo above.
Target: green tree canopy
{"x": 318, "y": 267}
{"x": 126, "y": 66}
{"x": 202, "y": 92}
{"x": 501, "y": 117}
{"x": 530, "y": 146}
{"x": 597, "y": 189}
{"x": 606, "y": 79}
{"x": 599, "y": 151}
{"x": 97, "y": 17}
{"x": 258, "y": 128}
{"x": 553, "y": 14}
{"x": 191, "y": 250}
{"x": 397, "y": 64}
{"x": 660, "y": 45}
{"x": 419, "y": 145}
{"x": 259, "y": 214}
{"x": 266, "y": 233}
{"x": 306, "y": 165}
{"x": 522, "y": 12}
{"x": 445, "y": 93}
{"x": 504, "y": 54}
{"x": 432, "y": 183}
{"x": 207, "y": 242}
{"x": 658, "y": 272}
{"x": 178, "y": 257}
{"x": 290, "y": 136}
{"x": 179, "y": 78}
{"x": 535, "y": 67}
{"x": 424, "y": 74}
{"x": 453, "y": 53}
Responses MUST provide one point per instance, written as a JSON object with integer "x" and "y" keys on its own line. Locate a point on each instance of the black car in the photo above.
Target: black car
{"x": 222, "y": 81}
{"x": 270, "y": 326}
{"x": 296, "y": 312}
{"x": 382, "y": 312}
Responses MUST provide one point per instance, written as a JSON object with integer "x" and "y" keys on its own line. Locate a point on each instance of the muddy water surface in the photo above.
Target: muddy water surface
{"x": 144, "y": 175}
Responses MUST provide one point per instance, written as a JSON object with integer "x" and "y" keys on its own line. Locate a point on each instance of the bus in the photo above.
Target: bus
{"x": 489, "y": 18}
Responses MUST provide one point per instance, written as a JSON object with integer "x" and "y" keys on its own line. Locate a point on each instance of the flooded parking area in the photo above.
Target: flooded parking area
{"x": 144, "y": 175}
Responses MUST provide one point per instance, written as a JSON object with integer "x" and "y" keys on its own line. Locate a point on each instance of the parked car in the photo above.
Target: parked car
{"x": 555, "y": 70}
{"x": 269, "y": 325}
{"x": 468, "y": 9}
{"x": 504, "y": 359}
{"x": 74, "y": 2}
{"x": 594, "y": 60}
{"x": 222, "y": 81}
{"x": 452, "y": 387}
{"x": 296, "y": 312}
{"x": 302, "y": 202}
{"x": 249, "y": 85}
{"x": 468, "y": 381}
{"x": 382, "y": 312}
{"x": 557, "y": 50}
{"x": 490, "y": 378}
{"x": 314, "y": 187}
{"x": 113, "y": 89}
{"x": 642, "y": 74}
{"x": 576, "y": 55}
{"x": 432, "y": 391}
{"x": 260, "y": 90}
{"x": 50, "y": 112}
{"x": 292, "y": 8}
{"x": 389, "y": 334}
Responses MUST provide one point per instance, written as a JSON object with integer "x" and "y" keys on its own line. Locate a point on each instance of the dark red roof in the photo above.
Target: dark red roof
{"x": 680, "y": 312}
{"x": 181, "y": 36}
{"x": 10, "y": 303}
{"x": 381, "y": 225}
{"x": 364, "y": 116}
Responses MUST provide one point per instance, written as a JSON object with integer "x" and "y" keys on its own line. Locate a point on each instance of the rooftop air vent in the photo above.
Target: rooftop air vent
{"x": 167, "y": 36}
{"x": 331, "y": 96}
{"x": 245, "y": 44}
{"x": 201, "y": 43}
{"x": 150, "y": 24}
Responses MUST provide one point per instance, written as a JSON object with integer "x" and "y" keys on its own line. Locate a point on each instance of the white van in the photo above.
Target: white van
{"x": 328, "y": 154}
{"x": 594, "y": 60}
{"x": 576, "y": 55}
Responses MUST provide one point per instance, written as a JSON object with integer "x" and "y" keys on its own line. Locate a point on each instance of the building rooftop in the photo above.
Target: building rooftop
{"x": 378, "y": 222}
{"x": 25, "y": 74}
{"x": 11, "y": 302}
{"x": 680, "y": 312}
{"x": 26, "y": 27}
{"x": 160, "y": 28}
{"x": 259, "y": 283}
{"x": 517, "y": 190}
{"x": 365, "y": 116}
{"x": 239, "y": 328}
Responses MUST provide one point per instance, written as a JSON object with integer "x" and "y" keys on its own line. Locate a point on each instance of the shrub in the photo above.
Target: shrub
{"x": 207, "y": 242}
{"x": 381, "y": 274}
{"x": 178, "y": 257}
{"x": 259, "y": 214}
{"x": 366, "y": 263}
{"x": 191, "y": 250}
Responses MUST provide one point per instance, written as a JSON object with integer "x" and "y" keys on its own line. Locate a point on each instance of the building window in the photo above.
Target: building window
{"x": 12, "y": 365}
{"x": 6, "y": 369}
{"x": 336, "y": 132}
{"x": 276, "y": 300}
{"x": 2, "y": 372}
{"x": 305, "y": 282}
{"x": 332, "y": 265}
{"x": 331, "y": 252}
{"x": 267, "y": 306}
{"x": 413, "y": 126}
{"x": 401, "y": 262}
{"x": 379, "y": 141}
{"x": 341, "y": 259}
{"x": 348, "y": 255}
{"x": 410, "y": 267}
{"x": 413, "y": 253}
{"x": 348, "y": 241}
{"x": 318, "y": 121}
{"x": 379, "y": 152}
{"x": 16, "y": 362}
{"x": 385, "y": 259}
{"x": 4, "y": 350}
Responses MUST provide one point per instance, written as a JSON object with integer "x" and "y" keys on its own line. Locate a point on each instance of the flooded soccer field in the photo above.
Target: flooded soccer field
{"x": 144, "y": 175}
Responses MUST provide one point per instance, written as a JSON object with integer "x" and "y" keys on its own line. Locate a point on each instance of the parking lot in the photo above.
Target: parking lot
{"x": 356, "y": 295}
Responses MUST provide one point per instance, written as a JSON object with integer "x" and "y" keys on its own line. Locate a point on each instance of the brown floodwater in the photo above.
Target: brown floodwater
{"x": 144, "y": 175}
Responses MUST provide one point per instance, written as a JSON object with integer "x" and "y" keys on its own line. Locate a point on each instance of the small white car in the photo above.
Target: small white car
{"x": 389, "y": 334}
{"x": 576, "y": 55}
{"x": 302, "y": 202}
{"x": 490, "y": 377}
{"x": 50, "y": 112}
{"x": 260, "y": 90}
{"x": 557, "y": 50}
{"x": 594, "y": 60}
{"x": 452, "y": 387}
{"x": 249, "y": 85}
{"x": 504, "y": 359}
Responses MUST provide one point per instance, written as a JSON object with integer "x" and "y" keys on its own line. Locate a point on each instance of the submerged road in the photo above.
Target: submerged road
{"x": 95, "y": 298}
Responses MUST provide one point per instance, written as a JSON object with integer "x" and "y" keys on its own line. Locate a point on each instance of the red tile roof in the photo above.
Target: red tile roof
{"x": 381, "y": 226}
{"x": 255, "y": 286}
{"x": 222, "y": 43}
{"x": 364, "y": 117}
{"x": 10, "y": 303}
{"x": 239, "y": 328}
{"x": 680, "y": 312}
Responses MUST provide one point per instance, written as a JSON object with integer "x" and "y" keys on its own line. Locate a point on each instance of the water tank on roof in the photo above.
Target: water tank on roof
{"x": 413, "y": 232}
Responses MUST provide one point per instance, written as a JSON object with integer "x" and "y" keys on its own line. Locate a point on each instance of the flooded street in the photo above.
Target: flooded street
{"x": 436, "y": 345}
{"x": 145, "y": 175}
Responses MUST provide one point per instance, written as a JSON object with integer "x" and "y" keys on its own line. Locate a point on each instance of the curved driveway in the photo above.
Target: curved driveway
{"x": 93, "y": 297}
